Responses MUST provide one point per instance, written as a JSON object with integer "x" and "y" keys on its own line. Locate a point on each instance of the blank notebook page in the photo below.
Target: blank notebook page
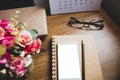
{"x": 68, "y": 61}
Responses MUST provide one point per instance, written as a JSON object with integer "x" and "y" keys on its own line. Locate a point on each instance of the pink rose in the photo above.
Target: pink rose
{"x": 33, "y": 47}
{"x": 25, "y": 38}
{"x": 5, "y": 24}
{"x": 2, "y": 32}
{"x": 17, "y": 65}
{"x": 8, "y": 41}
{"x": 6, "y": 57}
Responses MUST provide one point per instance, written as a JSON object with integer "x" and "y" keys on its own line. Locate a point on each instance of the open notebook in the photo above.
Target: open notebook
{"x": 74, "y": 57}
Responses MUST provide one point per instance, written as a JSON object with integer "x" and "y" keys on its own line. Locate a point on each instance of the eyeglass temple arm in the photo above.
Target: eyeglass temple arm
{"x": 76, "y": 20}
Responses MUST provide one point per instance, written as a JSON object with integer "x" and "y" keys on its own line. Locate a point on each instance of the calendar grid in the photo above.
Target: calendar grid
{"x": 69, "y": 6}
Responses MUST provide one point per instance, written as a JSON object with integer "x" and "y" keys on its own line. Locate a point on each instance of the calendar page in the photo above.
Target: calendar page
{"x": 70, "y": 6}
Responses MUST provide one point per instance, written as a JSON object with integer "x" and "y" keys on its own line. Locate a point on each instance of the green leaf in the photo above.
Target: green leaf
{"x": 33, "y": 33}
{"x": 16, "y": 47}
{"x": 16, "y": 51}
{"x": 2, "y": 49}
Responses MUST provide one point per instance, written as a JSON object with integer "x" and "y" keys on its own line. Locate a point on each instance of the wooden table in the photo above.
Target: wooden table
{"x": 107, "y": 42}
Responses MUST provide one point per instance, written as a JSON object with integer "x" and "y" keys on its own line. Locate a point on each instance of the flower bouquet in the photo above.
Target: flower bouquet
{"x": 17, "y": 46}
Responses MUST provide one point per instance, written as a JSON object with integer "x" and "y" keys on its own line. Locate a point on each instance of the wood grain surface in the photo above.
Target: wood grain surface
{"x": 107, "y": 42}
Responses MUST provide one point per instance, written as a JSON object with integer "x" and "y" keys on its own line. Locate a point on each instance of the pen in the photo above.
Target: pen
{"x": 83, "y": 59}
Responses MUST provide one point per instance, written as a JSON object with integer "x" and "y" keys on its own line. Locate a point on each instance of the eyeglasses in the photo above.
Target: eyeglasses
{"x": 81, "y": 24}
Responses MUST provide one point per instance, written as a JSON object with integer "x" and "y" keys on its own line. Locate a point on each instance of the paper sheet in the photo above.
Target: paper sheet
{"x": 68, "y": 61}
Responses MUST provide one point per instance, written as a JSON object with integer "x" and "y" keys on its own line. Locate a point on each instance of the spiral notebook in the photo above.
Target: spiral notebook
{"x": 70, "y": 62}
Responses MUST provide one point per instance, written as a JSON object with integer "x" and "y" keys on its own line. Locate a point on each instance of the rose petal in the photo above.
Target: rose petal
{"x": 2, "y": 32}
{"x": 5, "y": 58}
{"x": 22, "y": 71}
{"x": 3, "y": 61}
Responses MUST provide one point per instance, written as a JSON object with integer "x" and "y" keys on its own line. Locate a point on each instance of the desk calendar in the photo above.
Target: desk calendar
{"x": 70, "y": 6}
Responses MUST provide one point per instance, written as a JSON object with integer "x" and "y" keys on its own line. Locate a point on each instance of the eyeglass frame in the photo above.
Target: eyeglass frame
{"x": 98, "y": 26}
